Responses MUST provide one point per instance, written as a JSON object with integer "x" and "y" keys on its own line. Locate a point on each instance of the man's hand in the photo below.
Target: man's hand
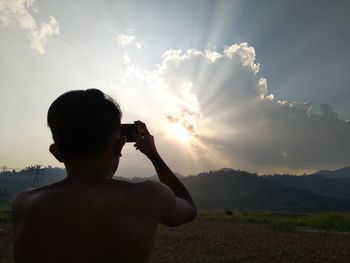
{"x": 145, "y": 141}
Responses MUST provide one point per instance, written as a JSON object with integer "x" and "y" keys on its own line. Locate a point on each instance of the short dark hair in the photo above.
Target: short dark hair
{"x": 83, "y": 123}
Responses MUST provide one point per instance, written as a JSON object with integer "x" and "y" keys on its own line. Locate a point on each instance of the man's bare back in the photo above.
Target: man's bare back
{"x": 89, "y": 221}
{"x": 90, "y": 217}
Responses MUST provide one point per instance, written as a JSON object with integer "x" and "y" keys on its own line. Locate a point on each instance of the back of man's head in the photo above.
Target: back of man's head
{"x": 83, "y": 123}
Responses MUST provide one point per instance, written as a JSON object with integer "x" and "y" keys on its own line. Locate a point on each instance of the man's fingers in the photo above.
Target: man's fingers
{"x": 139, "y": 132}
{"x": 145, "y": 130}
{"x": 143, "y": 127}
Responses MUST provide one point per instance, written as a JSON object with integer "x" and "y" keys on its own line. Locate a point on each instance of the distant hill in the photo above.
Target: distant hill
{"x": 340, "y": 173}
{"x": 12, "y": 183}
{"x": 338, "y": 188}
{"x": 226, "y": 189}
{"x": 238, "y": 190}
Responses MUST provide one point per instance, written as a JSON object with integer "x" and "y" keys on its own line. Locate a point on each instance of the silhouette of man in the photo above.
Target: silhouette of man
{"x": 88, "y": 216}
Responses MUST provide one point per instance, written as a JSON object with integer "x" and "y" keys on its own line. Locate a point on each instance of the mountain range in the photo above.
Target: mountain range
{"x": 239, "y": 190}
{"x": 230, "y": 189}
{"x": 340, "y": 173}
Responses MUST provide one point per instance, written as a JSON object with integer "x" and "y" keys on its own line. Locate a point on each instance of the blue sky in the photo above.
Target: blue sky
{"x": 248, "y": 51}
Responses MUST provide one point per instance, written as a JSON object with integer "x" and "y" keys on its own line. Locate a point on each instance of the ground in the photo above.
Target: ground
{"x": 216, "y": 237}
{"x": 225, "y": 241}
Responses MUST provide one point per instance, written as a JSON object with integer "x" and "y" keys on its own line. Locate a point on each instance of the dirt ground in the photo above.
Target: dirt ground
{"x": 215, "y": 241}
{"x": 224, "y": 241}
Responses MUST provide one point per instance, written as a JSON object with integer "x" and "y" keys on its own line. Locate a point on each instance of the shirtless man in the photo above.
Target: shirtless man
{"x": 88, "y": 216}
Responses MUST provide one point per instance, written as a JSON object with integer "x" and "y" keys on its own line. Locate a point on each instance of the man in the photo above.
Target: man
{"x": 88, "y": 216}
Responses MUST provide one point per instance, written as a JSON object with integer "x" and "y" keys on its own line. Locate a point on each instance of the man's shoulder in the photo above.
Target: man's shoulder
{"x": 23, "y": 200}
{"x": 138, "y": 186}
{"x": 23, "y": 197}
{"x": 158, "y": 193}
{"x": 154, "y": 187}
{"x": 154, "y": 191}
{"x": 19, "y": 203}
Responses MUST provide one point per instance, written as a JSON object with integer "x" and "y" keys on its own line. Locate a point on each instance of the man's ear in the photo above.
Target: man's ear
{"x": 54, "y": 151}
{"x": 118, "y": 145}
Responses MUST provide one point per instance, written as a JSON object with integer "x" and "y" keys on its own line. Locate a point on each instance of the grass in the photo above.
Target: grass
{"x": 227, "y": 241}
{"x": 5, "y": 216}
{"x": 323, "y": 221}
{"x": 240, "y": 237}
{"x": 5, "y": 236}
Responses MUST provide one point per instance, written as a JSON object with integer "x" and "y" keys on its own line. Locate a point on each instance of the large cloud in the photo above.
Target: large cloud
{"x": 223, "y": 104}
{"x": 19, "y": 13}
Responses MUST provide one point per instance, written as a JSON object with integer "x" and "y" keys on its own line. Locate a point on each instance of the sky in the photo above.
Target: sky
{"x": 255, "y": 85}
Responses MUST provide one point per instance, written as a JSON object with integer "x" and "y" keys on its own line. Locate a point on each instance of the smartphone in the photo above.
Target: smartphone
{"x": 129, "y": 130}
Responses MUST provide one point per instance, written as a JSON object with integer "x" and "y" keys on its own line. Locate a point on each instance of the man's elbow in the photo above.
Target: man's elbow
{"x": 178, "y": 220}
{"x": 193, "y": 214}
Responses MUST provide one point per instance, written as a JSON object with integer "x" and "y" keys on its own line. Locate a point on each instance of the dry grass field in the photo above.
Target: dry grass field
{"x": 236, "y": 238}
{"x": 227, "y": 241}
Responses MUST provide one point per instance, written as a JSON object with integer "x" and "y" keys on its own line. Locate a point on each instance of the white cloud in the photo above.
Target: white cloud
{"x": 226, "y": 107}
{"x": 245, "y": 53}
{"x": 19, "y": 13}
{"x": 39, "y": 38}
{"x": 185, "y": 111}
{"x": 127, "y": 40}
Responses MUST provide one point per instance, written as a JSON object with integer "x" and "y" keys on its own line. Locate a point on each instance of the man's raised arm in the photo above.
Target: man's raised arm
{"x": 184, "y": 209}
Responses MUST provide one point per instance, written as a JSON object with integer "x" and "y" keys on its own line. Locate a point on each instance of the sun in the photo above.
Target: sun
{"x": 178, "y": 132}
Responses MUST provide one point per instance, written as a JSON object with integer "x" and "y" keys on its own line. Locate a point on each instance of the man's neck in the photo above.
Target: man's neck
{"x": 89, "y": 169}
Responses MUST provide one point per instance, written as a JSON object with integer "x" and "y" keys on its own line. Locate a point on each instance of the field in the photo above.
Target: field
{"x": 242, "y": 237}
